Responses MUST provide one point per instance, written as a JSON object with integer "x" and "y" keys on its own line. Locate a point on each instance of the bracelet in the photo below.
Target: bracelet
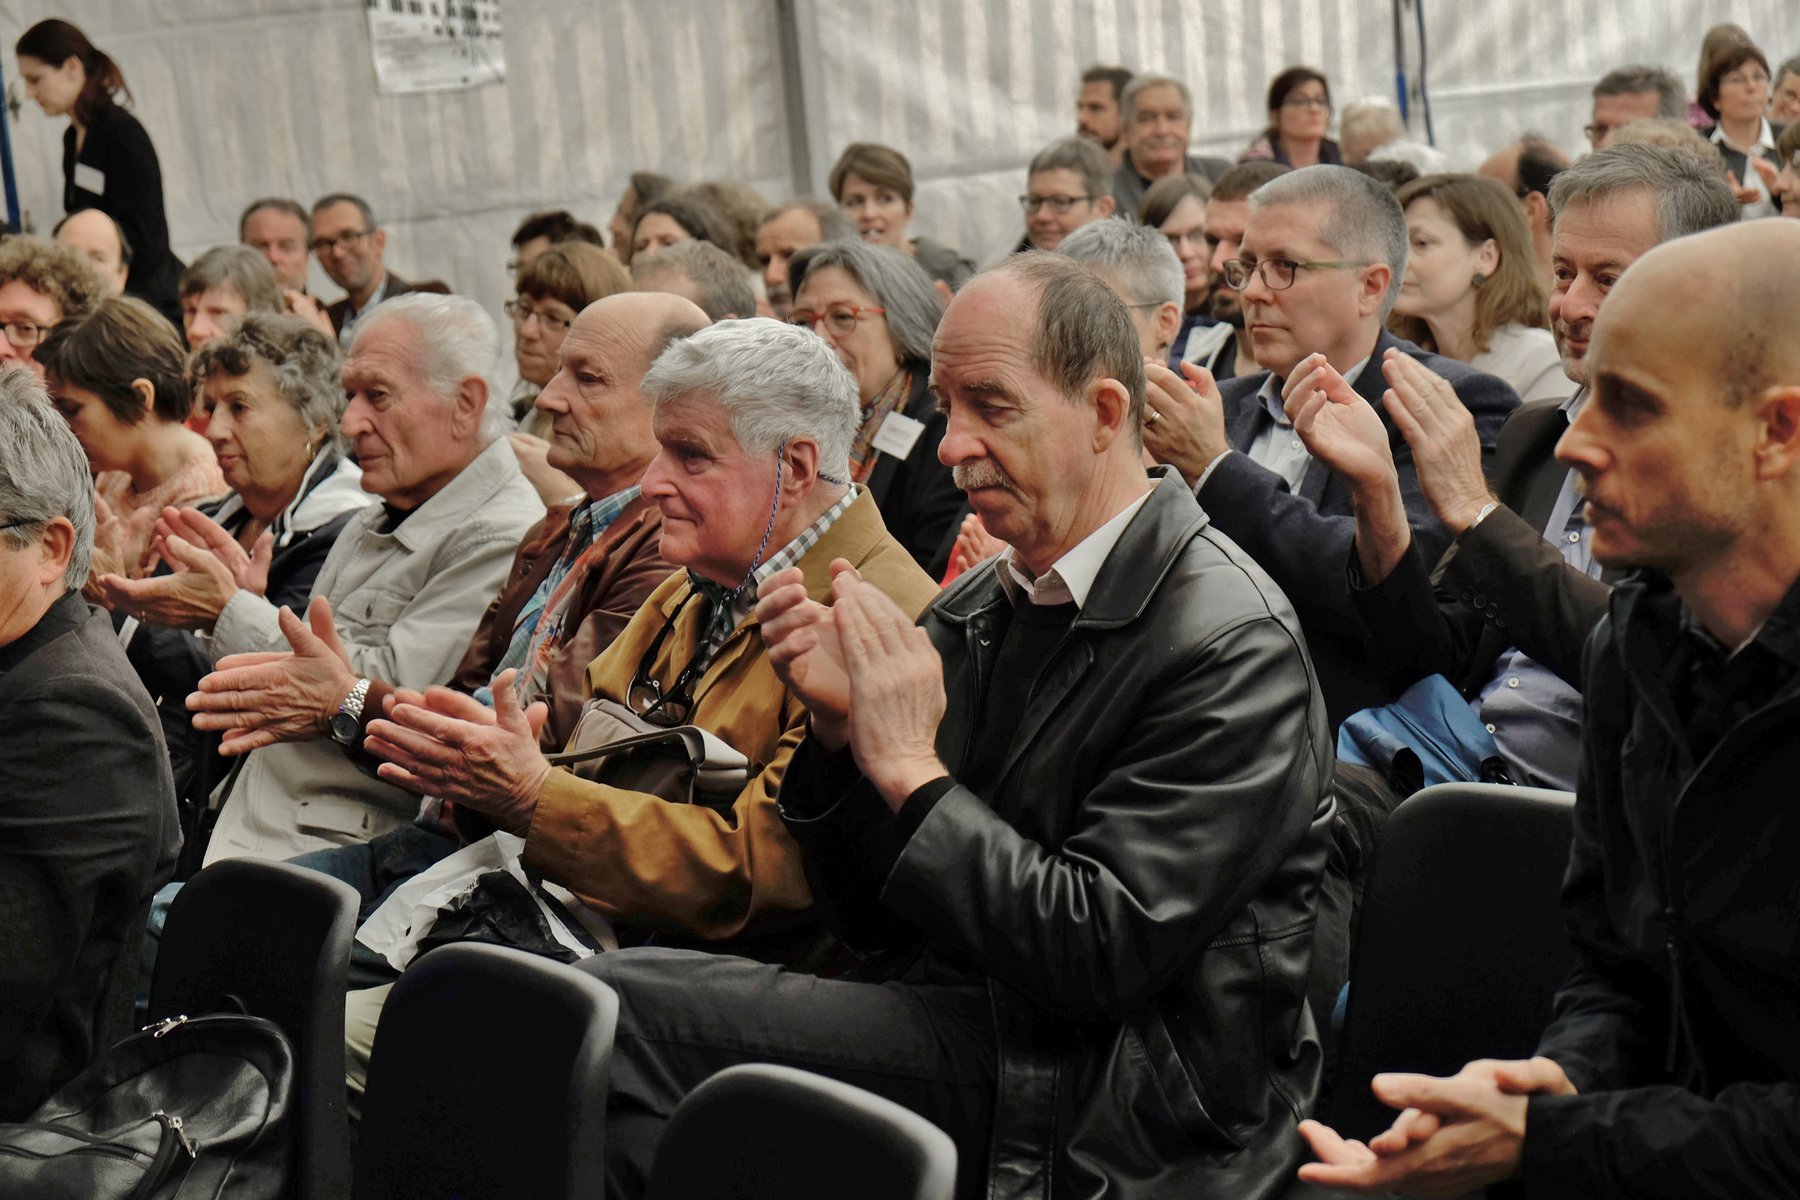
{"x": 1481, "y": 516}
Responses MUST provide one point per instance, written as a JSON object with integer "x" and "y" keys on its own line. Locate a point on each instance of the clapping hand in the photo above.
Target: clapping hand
{"x": 1441, "y": 431}
{"x": 259, "y": 699}
{"x": 1184, "y": 418}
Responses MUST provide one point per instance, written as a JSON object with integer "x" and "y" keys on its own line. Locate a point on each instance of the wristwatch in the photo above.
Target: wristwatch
{"x": 348, "y": 717}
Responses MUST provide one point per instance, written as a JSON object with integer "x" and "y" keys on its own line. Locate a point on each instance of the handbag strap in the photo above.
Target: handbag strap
{"x": 690, "y": 739}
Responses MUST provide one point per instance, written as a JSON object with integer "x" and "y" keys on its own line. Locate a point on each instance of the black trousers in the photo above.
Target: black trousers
{"x": 685, "y": 1015}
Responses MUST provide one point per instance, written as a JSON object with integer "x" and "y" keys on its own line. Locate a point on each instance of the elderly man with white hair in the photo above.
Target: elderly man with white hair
{"x": 400, "y": 593}
{"x": 754, "y": 421}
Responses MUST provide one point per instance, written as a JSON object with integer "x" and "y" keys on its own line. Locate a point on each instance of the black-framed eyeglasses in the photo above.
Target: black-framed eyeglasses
{"x": 1597, "y": 131}
{"x": 20, "y": 523}
{"x": 25, "y": 335}
{"x": 549, "y": 322}
{"x": 1307, "y": 102}
{"x": 1060, "y": 205}
{"x": 1278, "y": 274}
{"x": 840, "y": 319}
{"x": 343, "y": 241}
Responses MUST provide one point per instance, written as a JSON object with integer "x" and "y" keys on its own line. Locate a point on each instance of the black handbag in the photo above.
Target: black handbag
{"x": 199, "y": 1106}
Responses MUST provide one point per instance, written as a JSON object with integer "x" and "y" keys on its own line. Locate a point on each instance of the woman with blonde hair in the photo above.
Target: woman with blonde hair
{"x": 1471, "y": 290}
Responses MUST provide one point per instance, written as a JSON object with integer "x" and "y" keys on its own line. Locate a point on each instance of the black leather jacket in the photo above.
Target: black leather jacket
{"x": 1680, "y": 1025}
{"x": 1139, "y": 888}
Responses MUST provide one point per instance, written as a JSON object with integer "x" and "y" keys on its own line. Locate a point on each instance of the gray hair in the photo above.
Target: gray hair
{"x": 1363, "y": 220}
{"x": 896, "y": 281}
{"x": 1639, "y": 78}
{"x": 1077, "y": 154}
{"x": 1142, "y": 83}
{"x": 457, "y": 341}
{"x": 362, "y": 207}
{"x": 303, "y": 361}
{"x": 238, "y": 267}
{"x": 1136, "y": 257}
{"x": 779, "y": 383}
{"x": 43, "y": 472}
{"x": 721, "y": 281}
{"x": 834, "y": 226}
{"x": 1426, "y": 160}
{"x": 1690, "y": 194}
{"x": 1375, "y": 116}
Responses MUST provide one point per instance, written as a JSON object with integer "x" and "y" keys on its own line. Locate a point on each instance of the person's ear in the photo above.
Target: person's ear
{"x": 145, "y": 393}
{"x": 800, "y": 462}
{"x": 1375, "y": 280}
{"x": 378, "y": 239}
{"x": 58, "y": 540}
{"x": 1487, "y": 258}
{"x": 1168, "y": 323}
{"x": 1112, "y": 412}
{"x": 1777, "y": 449}
{"x": 1105, "y": 206}
{"x": 471, "y": 402}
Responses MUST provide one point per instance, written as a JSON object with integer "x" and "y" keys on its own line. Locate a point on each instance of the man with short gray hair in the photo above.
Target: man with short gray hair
{"x": 1065, "y": 188}
{"x": 1321, "y": 260}
{"x": 1158, "y": 114}
{"x": 1633, "y": 93}
{"x": 701, "y": 272}
{"x": 1140, "y": 266}
{"x": 89, "y": 823}
{"x": 398, "y": 596}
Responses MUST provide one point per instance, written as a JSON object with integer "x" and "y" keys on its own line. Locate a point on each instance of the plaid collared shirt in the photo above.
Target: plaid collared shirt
{"x": 738, "y": 603}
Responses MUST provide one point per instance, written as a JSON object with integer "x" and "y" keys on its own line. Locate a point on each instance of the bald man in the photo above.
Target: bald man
{"x": 1670, "y": 1067}
{"x": 97, "y": 238}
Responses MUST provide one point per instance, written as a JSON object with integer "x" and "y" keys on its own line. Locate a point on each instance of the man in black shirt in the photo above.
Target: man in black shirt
{"x": 1670, "y": 1067}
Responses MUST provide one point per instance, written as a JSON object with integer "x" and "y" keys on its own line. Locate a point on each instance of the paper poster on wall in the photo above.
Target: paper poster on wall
{"x": 436, "y": 45}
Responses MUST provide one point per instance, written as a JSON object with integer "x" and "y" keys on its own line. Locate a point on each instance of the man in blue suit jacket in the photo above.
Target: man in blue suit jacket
{"x": 1320, "y": 263}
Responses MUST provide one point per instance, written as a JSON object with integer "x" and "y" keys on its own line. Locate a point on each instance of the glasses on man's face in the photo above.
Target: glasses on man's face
{"x": 1060, "y": 205}
{"x": 1278, "y": 274}
{"x": 341, "y": 243}
{"x": 1306, "y": 102}
{"x": 840, "y": 319}
{"x": 521, "y": 312}
{"x": 20, "y": 524}
{"x": 25, "y": 335}
{"x": 1597, "y": 133}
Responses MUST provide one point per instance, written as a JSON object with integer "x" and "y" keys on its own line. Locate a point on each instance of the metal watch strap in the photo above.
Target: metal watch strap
{"x": 353, "y": 703}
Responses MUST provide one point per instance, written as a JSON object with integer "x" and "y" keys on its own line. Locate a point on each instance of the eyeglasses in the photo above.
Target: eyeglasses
{"x": 1597, "y": 131}
{"x": 24, "y": 335}
{"x": 521, "y": 312}
{"x": 1277, "y": 274}
{"x": 1060, "y": 205}
{"x": 840, "y": 319}
{"x": 343, "y": 241}
{"x": 1306, "y": 102}
{"x": 21, "y": 523}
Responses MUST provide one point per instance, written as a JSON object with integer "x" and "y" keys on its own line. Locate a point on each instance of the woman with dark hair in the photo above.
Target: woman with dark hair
{"x": 1472, "y": 291}
{"x": 1299, "y": 114}
{"x": 108, "y": 161}
{"x": 1175, "y": 206}
{"x": 878, "y": 310}
{"x": 678, "y": 218}
{"x": 117, "y": 377}
{"x": 1734, "y": 91}
{"x": 873, "y": 184}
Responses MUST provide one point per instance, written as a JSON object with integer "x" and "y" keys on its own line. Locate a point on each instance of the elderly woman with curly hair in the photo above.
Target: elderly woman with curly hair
{"x": 269, "y": 390}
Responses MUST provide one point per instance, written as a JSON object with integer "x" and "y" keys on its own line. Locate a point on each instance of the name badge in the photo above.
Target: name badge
{"x": 898, "y": 435}
{"x": 90, "y": 178}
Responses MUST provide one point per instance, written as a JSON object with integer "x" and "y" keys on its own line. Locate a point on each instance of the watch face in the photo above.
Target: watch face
{"x": 343, "y": 727}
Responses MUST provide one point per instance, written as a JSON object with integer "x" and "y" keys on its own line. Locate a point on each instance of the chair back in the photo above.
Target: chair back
{"x": 1461, "y": 945}
{"x": 488, "y": 1080}
{"x": 277, "y": 938}
{"x": 765, "y": 1132}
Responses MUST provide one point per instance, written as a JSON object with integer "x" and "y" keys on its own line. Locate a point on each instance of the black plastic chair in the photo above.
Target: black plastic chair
{"x": 459, "y": 1106}
{"x": 1461, "y": 944}
{"x": 765, "y": 1132}
{"x": 277, "y": 938}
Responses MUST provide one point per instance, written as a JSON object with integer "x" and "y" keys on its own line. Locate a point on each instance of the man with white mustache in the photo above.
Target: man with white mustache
{"x": 1518, "y": 591}
{"x": 1158, "y": 115}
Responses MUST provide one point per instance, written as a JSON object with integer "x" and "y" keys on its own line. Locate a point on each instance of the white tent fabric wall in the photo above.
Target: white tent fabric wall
{"x": 253, "y": 97}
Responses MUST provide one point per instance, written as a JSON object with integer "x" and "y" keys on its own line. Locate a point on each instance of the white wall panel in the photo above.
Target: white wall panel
{"x": 247, "y": 97}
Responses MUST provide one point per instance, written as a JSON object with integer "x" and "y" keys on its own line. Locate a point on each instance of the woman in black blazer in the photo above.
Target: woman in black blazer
{"x": 1734, "y": 91}
{"x": 108, "y": 161}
